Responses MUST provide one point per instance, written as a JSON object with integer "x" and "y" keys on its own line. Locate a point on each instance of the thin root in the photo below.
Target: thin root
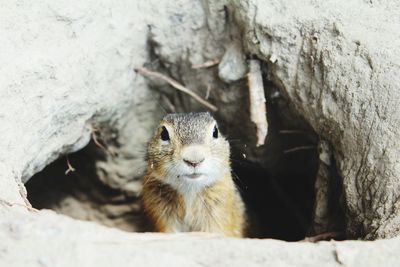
{"x": 70, "y": 168}
{"x": 176, "y": 85}
{"x": 97, "y": 142}
{"x": 207, "y": 64}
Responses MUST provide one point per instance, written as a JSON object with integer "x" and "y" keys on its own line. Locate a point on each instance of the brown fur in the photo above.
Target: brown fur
{"x": 216, "y": 208}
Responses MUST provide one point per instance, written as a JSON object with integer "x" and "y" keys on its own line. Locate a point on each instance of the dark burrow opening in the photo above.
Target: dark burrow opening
{"x": 81, "y": 195}
{"x": 276, "y": 180}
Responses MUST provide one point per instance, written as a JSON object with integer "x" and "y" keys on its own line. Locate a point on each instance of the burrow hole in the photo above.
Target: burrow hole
{"x": 278, "y": 187}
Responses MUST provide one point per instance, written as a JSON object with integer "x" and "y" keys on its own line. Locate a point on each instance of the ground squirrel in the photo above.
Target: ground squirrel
{"x": 188, "y": 185}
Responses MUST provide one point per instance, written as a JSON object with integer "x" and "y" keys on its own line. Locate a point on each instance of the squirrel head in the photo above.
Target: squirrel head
{"x": 188, "y": 152}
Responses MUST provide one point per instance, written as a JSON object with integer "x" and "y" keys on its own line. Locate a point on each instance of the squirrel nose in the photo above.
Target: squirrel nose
{"x": 193, "y": 155}
{"x": 192, "y": 162}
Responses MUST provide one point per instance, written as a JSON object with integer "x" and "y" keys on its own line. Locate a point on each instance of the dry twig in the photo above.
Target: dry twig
{"x": 206, "y": 64}
{"x": 176, "y": 85}
{"x": 298, "y": 148}
{"x": 258, "y": 111}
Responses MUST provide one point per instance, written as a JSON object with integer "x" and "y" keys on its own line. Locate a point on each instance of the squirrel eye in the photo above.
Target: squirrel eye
{"x": 215, "y": 132}
{"x": 164, "y": 134}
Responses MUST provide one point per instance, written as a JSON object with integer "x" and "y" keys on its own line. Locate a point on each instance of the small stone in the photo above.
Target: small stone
{"x": 233, "y": 65}
{"x": 273, "y": 58}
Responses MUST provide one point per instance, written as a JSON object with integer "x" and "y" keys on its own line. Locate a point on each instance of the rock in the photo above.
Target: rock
{"x": 338, "y": 65}
{"x": 69, "y": 70}
{"x": 233, "y": 64}
{"x": 38, "y": 238}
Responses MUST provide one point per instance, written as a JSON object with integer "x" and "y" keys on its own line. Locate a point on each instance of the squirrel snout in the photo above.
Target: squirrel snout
{"x": 193, "y": 155}
{"x": 193, "y": 163}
